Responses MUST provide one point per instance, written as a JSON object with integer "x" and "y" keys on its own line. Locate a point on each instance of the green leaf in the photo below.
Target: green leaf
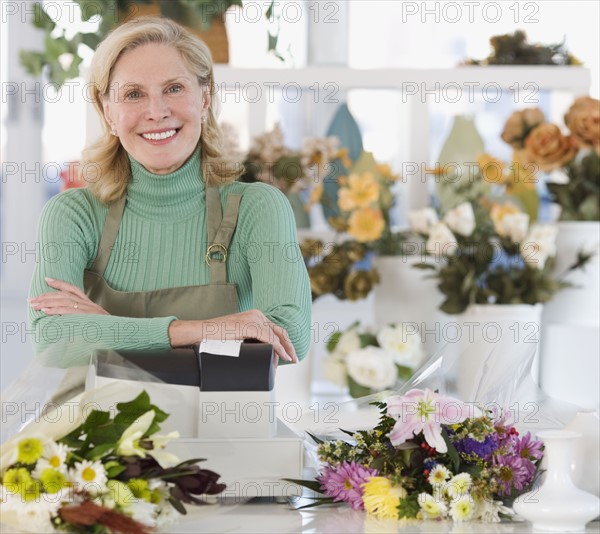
{"x": 368, "y": 340}
{"x": 115, "y": 471}
{"x": 452, "y": 454}
{"x": 356, "y": 390}
{"x": 41, "y": 19}
{"x": 33, "y": 62}
{"x": 319, "y": 501}
{"x": 409, "y": 507}
{"x": 315, "y": 438}
{"x": 99, "y": 451}
{"x": 333, "y": 341}
{"x": 310, "y": 484}
{"x": 424, "y": 266}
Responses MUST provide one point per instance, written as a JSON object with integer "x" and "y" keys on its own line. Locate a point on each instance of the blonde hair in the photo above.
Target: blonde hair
{"x": 107, "y": 155}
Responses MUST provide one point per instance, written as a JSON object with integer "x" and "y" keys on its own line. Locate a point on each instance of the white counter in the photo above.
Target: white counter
{"x": 267, "y": 518}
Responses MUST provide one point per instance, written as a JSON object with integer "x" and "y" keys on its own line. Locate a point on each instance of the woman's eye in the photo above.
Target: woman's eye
{"x": 132, "y": 95}
{"x": 175, "y": 88}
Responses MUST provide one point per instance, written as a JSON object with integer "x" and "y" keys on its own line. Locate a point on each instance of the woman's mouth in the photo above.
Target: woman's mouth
{"x": 159, "y": 136}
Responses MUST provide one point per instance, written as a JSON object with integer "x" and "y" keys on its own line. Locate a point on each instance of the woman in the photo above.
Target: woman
{"x": 164, "y": 248}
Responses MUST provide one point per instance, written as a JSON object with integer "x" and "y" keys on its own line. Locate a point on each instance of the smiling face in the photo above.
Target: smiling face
{"x": 155, "y": 105}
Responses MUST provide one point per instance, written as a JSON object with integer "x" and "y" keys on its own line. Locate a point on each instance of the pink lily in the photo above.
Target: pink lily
{"x": 425, "y": 411}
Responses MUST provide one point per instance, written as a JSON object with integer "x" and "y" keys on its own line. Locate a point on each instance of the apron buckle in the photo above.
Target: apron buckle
{"x": 215, "y": 248}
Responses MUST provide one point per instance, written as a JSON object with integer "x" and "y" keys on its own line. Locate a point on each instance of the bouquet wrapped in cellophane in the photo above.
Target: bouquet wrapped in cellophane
{"x": 68, "y": 464}
{"x": 421, "y": 453}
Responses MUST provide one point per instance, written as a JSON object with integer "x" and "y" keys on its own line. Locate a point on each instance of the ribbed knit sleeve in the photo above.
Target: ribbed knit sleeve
{"x": 68, "y": 235}
{"x": 280, "y": 283}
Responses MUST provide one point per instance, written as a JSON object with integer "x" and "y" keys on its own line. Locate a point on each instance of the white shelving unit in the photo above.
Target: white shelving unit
{"x": 418, "y": 87}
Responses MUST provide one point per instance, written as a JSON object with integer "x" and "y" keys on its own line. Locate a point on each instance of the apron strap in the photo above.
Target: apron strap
{"x": 220, "y": 231}
{"x": 109, "y": 235}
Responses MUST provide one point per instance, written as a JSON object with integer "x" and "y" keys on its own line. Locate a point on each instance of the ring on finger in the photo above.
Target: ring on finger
{"x": 75, "y": 305}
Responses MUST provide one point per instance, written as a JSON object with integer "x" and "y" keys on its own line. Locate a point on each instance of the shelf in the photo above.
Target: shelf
{"x": 545, "y": 77}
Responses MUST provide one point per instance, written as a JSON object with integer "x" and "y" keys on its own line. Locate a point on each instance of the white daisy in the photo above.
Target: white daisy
{"x": 438, "y": 475}
{"x": 431, "y": 507}
{"x": 458, "y": 485}
{"x": 463, "y": 508}
{"x": 488, "y": 510}
{"x": 89, "y": 476}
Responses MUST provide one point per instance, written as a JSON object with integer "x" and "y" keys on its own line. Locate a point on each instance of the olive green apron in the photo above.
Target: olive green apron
{"x": 202, "y": 302}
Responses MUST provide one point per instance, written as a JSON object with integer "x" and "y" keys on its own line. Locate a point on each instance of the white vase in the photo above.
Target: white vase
{"x": 572, "y": 321}
{"x": 493, "y": 341}
{"x": 578, "y": 305}
{"x": 558, "y": 506}
{"x": 404, "y": 295}
{"x": 585, "y": 464}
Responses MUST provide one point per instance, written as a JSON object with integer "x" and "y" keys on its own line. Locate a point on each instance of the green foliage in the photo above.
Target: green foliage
{"x": 580, "y": 197}
{"x": 197, "y": 14}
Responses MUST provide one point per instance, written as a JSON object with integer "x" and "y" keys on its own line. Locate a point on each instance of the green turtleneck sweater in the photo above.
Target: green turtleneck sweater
{"x": 162, "y": 243}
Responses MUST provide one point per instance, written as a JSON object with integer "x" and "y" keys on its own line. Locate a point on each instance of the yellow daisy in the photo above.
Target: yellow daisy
{"x": 30, "y": 450}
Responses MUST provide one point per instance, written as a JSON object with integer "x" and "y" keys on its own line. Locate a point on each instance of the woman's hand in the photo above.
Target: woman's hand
{"x": 68, "y": 300}
{"x": 251, "y": 324}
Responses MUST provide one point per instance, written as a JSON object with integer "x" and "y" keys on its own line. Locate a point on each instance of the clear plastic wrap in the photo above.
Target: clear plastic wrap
{"x": 502, "y": 382}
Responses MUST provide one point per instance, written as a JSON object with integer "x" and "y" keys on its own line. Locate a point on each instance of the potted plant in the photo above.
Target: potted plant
{"x": 61, "y": 56}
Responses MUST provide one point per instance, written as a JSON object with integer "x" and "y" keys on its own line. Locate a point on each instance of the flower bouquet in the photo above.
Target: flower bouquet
{"x": 429, "y": 457}
{"x": 270, "y": 161}
{"x": 341, "y": 269}
{"x": 487, "y": 252}
{"x": 109, "y": 474}
{"x": 368, "y": 362}
{"x": 573, "y": 160}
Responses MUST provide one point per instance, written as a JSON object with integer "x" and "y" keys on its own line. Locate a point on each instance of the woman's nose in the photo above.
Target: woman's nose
{"x": 158, "y": 108}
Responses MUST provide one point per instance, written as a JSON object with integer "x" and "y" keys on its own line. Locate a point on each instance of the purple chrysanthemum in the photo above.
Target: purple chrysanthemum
{"x": 344, "y": 482}
{"x": 514, "y": 472}
{"x": 528, "y": 448}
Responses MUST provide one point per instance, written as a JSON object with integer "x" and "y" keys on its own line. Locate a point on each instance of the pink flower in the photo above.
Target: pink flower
{"x": 344, "y": 482}
{"x": 425, "y": 411}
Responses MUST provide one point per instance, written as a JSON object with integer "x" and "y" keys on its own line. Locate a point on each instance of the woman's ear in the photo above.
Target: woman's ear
{"x": 206, "y": 99}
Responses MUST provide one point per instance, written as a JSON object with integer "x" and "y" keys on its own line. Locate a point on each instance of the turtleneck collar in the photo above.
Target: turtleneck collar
{"x": 167, "y": 197}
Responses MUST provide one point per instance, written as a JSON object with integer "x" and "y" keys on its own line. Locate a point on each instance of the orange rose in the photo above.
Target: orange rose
{"x": 519, "y": 124}
{"x": 548, "y": 147}
{"x": 583, "y": 119}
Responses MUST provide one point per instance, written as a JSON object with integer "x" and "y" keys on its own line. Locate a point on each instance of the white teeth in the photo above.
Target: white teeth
{"x": 159, "y": 136}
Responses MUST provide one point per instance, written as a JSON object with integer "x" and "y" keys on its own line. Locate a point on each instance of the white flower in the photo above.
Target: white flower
{"x": 405, "y": 347}
{"x": 34, "y": 514}
{"x": 421, "y": 221}
{"x": 441, "y": 240}
{"x": 348, "y": 342}
{"x": 431, "y": 507}
{"x": 458, "y": 485}
{"x": 539, "y": 245}
{"x": 463, "y": 508}
{"x": 128, "y": 445}
{"x": 558, "y": 176}
{"x": 461, "y": 219}
{"x": 89, "y": 476}
{"x": 334, "y": 369}
{"x": 438, "y": 475}
{"x": 372, "y": 367}
{"x": 166, "y": 514}
{"x": 53, "y": 457}
{"x": 514, "y": 226}
{"x": 488, "y": 510}
{"x": 142, "y": 511}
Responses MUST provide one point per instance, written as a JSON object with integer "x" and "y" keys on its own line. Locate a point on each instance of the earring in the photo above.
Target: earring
{"x": 203, "y": 120}
{"x": 113, "y": 131}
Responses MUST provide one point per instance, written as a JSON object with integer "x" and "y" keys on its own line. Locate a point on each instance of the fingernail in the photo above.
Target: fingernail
{"x": 48, "y": 279}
